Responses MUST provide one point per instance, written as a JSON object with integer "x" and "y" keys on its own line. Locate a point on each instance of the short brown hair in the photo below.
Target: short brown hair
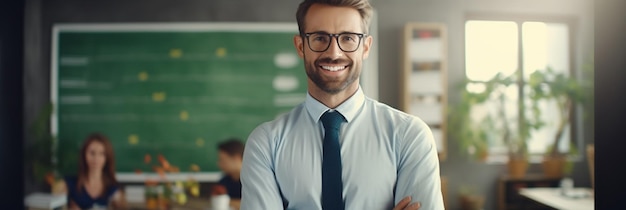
{"x": 363, "y": 6}
{"x": 232, "y": 147}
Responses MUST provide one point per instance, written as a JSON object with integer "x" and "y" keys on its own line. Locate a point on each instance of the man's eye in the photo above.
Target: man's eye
{"x": 320, "y": 38}
{"x": 348, "y": 38}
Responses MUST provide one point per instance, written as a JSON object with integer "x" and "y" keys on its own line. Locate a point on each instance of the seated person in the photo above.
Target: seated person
{"x": 96, "y": 185}
{"x": 230, "y": 157}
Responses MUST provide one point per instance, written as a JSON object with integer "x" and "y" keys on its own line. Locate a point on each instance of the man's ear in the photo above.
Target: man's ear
{"x": 367, "y": 43}
{"x": 299, "y": 44}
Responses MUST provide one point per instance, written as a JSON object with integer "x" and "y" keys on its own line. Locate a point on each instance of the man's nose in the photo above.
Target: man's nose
{"x": 334, "y": 51}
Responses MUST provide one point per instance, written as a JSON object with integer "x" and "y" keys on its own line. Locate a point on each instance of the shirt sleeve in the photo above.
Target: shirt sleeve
{"x": 233, "y": 188}
{"x": 70, "y": 184}
{"x": 111, "y": 191}
{"x": 418, "y": 166}
{"x": 259, "y": 187}
{"x": 222, "y": 181}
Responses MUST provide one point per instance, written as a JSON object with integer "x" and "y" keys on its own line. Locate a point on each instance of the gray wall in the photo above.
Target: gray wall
{"x": 392, "y": 15}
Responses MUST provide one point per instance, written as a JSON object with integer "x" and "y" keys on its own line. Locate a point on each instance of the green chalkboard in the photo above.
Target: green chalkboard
{"x": 170, "y": 89}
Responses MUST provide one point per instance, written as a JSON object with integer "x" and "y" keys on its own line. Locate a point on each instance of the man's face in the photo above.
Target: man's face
{"x": 333, "y": 70}
{"x": 228, "y": 163}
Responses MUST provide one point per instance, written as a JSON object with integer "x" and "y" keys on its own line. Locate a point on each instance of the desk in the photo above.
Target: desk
{"x": 552, "y": 197}
{"x": 193, "y": 203}
{"x": 509, "y": 187}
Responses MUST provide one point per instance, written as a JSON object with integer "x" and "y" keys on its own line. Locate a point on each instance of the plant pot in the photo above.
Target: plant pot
{"x": 472, "y": 202}
{"x": 517, "y": 167}
{"x": 54, "y": 183}
{"x": 553, "y": 166}
{"x": 482, "y": 155}
{"x": 59, "y": 187}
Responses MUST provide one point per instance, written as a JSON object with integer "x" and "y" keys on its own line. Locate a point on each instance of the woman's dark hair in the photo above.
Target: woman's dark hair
{"x": 108, "y": 171}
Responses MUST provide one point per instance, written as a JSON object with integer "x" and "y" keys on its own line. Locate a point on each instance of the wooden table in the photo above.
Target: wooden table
{"x": 553, "y": 197}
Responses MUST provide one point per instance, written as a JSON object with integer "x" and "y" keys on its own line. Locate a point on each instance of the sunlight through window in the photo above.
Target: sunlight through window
{"x": 492, "y": 47}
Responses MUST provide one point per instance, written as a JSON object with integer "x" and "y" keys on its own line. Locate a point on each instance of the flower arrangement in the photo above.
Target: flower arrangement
{"x": 161, "y": 192}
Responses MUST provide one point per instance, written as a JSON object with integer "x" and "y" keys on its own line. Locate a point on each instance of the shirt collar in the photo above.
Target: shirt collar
{"x": 348, "y": 108}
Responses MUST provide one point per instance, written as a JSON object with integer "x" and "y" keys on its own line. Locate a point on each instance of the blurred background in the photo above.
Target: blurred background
{"x": 513, "y": 79}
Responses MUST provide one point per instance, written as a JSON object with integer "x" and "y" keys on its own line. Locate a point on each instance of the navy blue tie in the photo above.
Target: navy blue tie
{"x": 332, "y": 185}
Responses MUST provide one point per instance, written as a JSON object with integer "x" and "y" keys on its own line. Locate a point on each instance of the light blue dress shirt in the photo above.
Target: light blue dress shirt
{"x": 386, "y": 155}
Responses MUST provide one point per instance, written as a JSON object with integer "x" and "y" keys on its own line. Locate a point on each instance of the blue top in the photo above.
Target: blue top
{"x": 233, "y": 187}
{"x": 83, "y": 199}
{"x": 386, "y": 155}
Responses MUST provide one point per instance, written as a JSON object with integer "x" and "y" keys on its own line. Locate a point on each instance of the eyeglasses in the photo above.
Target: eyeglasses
{"x": 320, "y": 42}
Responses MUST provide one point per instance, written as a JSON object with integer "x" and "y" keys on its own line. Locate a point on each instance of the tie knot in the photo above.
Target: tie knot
{"x": 331, "y": 119}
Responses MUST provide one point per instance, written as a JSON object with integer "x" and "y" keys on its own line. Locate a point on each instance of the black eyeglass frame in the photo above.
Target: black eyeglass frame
{"x": 360, "y": 35}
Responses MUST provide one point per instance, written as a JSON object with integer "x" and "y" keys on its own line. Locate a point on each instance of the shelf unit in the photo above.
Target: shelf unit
{"x": 423, "y": 80}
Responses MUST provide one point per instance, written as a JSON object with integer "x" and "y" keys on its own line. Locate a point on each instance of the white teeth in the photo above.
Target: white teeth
{"x": 333, "y": 68}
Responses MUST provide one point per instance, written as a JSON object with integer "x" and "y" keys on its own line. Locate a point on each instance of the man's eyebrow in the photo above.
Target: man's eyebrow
{"x": 349, "y": 32}
{"x": 324, "y": 32}
{"x": 318, "y": 32}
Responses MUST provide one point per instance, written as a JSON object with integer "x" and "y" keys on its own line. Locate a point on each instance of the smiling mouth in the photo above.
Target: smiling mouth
{"x": 334, "y": 68}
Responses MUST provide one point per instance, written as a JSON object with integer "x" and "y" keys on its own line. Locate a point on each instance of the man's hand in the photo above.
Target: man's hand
{"x": 404, "y": 204}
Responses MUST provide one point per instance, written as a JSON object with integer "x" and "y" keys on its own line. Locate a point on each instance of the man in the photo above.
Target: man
{"x": 339, "y": 149}
{"x": 230, "y": 155}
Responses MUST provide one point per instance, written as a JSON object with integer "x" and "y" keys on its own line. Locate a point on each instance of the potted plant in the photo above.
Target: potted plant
{"x": 475, "y": 132}
{"x": 41, "y": 154}
{"x": 471, "y": 136}
{"x": 564, "y": 92}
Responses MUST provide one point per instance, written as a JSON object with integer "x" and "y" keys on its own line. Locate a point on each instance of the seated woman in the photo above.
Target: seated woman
{"x": 96, "y": 185}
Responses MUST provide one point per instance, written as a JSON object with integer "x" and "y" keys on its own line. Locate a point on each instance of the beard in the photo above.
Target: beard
{"x": 332, "y": 85}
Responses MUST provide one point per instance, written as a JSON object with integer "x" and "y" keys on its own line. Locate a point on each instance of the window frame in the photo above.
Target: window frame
{"x": 573, "y": 71}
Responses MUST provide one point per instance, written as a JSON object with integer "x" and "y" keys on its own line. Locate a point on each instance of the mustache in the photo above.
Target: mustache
{"x": 332, "y": 61}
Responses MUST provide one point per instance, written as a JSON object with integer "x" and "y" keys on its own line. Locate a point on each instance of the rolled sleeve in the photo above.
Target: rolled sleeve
{"x": 259, "y": 187}
{"x": 418, "y": 167}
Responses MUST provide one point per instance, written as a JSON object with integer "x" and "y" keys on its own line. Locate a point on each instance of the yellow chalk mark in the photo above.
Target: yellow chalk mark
{"x": 133, "y": 139}
{"x": 184, "y": 115}
{"x": 220, "y": 52}
{"x": 143, "y": 76}
{"x": 176, "y": 53}
{"x": 200, "y": 142}
{"x": 158, "y": 96}
{"x": 194, "y": 167}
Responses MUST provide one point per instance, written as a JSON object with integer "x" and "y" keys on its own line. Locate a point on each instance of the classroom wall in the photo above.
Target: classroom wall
{"x": 41, "y": 14}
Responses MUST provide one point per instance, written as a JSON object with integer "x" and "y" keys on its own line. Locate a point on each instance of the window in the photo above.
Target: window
{"x": 495, "y": 46}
